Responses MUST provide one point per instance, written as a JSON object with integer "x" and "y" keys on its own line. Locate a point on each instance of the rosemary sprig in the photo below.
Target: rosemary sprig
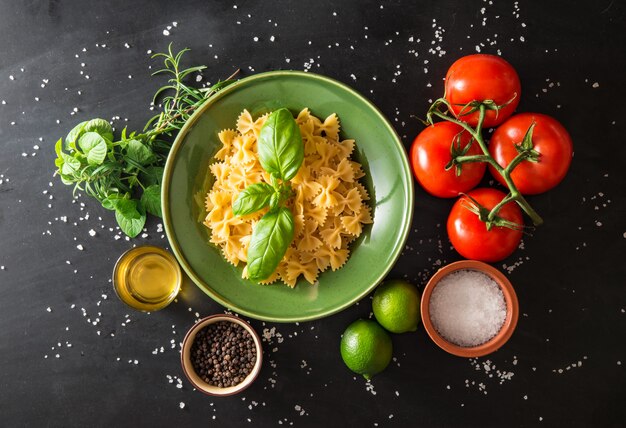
{"x": 183, "y": 100}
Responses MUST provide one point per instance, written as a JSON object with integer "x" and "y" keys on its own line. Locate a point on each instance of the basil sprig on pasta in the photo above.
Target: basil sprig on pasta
{"x": 281, "y": 153}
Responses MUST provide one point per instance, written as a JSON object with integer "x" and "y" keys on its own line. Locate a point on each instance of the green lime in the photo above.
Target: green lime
{"x": 396, "y": 306}
{"x": 366, "y": 348}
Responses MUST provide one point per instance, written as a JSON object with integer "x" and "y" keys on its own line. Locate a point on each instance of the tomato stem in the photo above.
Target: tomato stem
{"x": 514, "y": 193}
{"x": 516, "y": 161}
{"x": 474, "y": 158}
{"x": 463, "y": 125}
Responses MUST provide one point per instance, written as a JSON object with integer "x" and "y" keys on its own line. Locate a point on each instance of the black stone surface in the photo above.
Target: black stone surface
{"x": 567, "y": 355}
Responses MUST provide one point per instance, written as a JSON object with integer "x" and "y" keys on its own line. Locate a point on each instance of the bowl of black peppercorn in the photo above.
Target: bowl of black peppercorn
{"x": 221, "y": 355}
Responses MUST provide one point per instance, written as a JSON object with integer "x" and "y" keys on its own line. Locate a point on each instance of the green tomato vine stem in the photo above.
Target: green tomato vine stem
{"x": 514, "y": 193}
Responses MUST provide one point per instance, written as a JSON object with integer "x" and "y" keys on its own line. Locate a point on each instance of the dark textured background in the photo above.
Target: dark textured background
{"x": 570, "y": 275}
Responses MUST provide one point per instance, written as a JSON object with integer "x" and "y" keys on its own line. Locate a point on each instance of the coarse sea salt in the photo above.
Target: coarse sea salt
{"x": 467, "y": 308}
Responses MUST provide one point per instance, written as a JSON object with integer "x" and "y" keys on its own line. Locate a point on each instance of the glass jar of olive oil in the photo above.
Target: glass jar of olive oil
{"x": 147, "y": 278}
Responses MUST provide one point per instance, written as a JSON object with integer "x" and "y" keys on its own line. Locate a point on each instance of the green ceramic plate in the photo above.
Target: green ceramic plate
{"x": 186, "y": 181}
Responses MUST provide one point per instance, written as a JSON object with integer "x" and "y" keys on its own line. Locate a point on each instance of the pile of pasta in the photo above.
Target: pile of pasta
{"x": 329, "y": 204}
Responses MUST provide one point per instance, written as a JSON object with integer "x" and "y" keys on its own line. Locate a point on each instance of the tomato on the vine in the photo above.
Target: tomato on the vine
{"x": 469, "y": 234}
{"x": 482, "y": 77}
{"x": 550, "y": 140}
{"x": 430, "y": 153}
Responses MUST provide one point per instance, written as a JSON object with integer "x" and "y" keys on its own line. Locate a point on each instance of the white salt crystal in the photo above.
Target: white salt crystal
{"x": 467, "y": 308}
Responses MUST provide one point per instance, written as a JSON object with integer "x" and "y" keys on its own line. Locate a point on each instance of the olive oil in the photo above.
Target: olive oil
{"x": 147, "y": 278}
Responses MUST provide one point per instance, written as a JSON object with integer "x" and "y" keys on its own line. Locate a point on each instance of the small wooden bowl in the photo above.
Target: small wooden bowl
{"x": 510, "y": 322}
{"x": 192, "y": 376}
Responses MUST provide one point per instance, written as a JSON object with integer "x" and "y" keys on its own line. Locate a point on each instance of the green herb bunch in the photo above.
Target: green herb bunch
{"x": 125, "y": 173}
{"x": 281, "y": 153}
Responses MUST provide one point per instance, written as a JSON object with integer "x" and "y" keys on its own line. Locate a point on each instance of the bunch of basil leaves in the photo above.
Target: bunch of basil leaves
{"x": 281, "y": 153}
{"x": 125, "y": 174}
{"x": 111, "y": 171}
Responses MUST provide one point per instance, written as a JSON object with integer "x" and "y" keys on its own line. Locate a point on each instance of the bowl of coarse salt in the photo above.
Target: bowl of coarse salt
{"x": 469, "y": 308}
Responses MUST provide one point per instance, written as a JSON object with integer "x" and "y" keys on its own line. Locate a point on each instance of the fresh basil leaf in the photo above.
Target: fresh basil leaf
{"x": 110, "y": 202}
{"x": 271, "y": 237}
{"x": 151, "y": 200}
{"x": 139, "y": 152}
{"x": 74, "y": 135}
{"x": 101, "y": 127}
{"x": 252, "y": 199}
{"x": 94, "y": 147}
{"x": 130, "y": 216}
{"x": 70, "y": 164}
{"x": 66, "y": 179}
{"x": 275, "y": 200}
{"x": 58, "y": 147}
{"x": 280, "y": 145}
{"x": 152, "y": 175}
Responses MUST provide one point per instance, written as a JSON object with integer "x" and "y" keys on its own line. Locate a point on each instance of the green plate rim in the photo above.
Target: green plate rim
{"x": 171, "y": 237}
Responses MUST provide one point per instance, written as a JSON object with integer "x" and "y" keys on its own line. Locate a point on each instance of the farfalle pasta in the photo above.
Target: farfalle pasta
{"x": 329, "y": 205}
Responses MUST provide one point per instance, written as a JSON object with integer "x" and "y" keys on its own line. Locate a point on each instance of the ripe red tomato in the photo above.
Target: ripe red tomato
{"x": 430, "y": 153}
{"x": 550, "y": 140}
{"x": 469, "y": 235}
{"x": 483, "y": 77}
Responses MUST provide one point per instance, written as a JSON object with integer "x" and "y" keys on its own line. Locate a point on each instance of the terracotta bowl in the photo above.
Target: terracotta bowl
{"x": 510, "y": 322}
{"x": 191, "y": 374}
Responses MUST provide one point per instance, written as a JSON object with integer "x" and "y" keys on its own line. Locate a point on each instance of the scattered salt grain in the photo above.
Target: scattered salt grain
{"x": 467, "y": 308}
